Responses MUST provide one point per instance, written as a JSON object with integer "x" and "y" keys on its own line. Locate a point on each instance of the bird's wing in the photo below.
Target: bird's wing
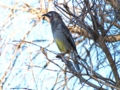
{"x": 68, "y": 36}
{"x": 73, "y": 54}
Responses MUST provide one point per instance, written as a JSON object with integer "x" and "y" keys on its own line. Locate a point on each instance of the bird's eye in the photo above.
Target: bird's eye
{"x": 50, "y": 14}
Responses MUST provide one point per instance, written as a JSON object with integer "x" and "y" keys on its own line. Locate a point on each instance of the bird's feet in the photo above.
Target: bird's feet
{"x": 60, "y": 55}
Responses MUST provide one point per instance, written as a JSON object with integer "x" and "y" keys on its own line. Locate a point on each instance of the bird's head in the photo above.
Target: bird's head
{"x": 52, "y": 15}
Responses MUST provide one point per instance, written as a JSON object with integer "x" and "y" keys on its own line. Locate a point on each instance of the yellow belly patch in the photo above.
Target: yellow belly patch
{"x": 61, "y": 45}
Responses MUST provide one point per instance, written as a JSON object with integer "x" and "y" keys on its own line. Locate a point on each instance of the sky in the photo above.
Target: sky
{"x": 19, "y": 64}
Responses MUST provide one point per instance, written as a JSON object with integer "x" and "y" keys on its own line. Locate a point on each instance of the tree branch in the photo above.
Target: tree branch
{"x": 110, "y": 59}
{"x": 112, "y": 38}
{"x": 82, "y": 32}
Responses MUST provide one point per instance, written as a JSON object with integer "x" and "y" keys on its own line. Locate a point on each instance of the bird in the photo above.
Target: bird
{"x": 63, "y": 37}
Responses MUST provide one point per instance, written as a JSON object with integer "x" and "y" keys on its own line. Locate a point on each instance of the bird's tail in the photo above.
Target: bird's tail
{"x": 75, "y": 57}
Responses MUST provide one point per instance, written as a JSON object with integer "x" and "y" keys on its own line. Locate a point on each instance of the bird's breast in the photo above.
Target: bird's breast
{"x": 61, "y": 41}
{"x": 61, "y": 45}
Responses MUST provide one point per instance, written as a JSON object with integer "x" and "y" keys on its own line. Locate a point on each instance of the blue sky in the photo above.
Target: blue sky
{"x": 24, "y": 74}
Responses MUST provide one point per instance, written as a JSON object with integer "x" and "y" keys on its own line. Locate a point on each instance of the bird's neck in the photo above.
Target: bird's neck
{"x": 56, "y": 23}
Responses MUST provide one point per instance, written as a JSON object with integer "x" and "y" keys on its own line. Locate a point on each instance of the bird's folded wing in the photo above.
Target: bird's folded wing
{"x": 69, "y": 36}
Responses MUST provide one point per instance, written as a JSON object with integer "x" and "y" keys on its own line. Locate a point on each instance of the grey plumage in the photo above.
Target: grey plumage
{"x": 63, "y": 37}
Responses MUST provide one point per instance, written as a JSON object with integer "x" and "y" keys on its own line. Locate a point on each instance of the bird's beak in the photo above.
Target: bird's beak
{"x": 45, "y": 15}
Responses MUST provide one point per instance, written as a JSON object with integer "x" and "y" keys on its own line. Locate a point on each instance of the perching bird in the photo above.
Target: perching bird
{"x": 63, "y": 37}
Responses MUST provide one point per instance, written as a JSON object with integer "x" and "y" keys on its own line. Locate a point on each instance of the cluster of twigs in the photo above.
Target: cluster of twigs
{"x": 96, "y": 29}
